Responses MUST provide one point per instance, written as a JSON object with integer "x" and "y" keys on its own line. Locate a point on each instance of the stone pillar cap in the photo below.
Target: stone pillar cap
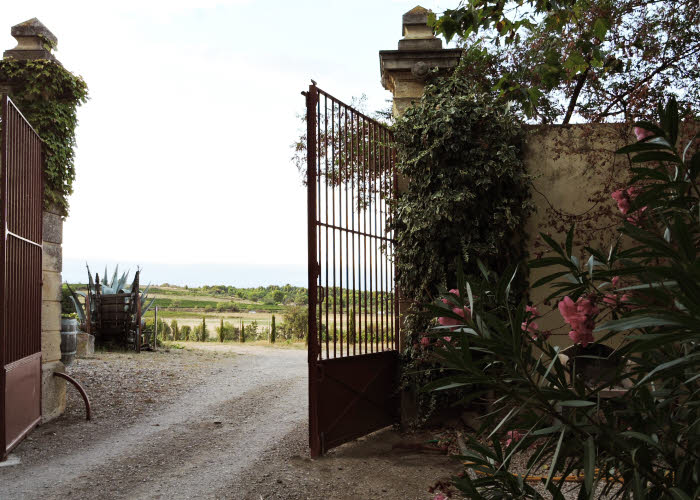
{"x": 417, "y": 16}
{"x": 34, "y": 41}
{"x": 33, "y": 28}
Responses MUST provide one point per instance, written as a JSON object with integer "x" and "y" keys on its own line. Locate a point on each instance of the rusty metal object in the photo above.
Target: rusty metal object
{"x": 353, "y": 306}
{"x": 86, "y": 399}
{"x": 21, "y": 219}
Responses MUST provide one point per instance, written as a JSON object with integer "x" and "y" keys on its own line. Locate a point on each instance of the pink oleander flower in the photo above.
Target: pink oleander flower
{"x": 445, "y": 321}
{"x": 615, "y": 281}
{"x": 642, "y": 133}
{"x": 581, "y": 316}
{"x": 425, "y": 341}
{"x": 513, "y": 436}
{"x": 440, "y": 496}
{"x": 532, "y": 310}
{"x": 610, "y": 299}
{"x": 624, "y": 197}
{"x": 447, "y": 339}
{"x": 623, "y": 203}
{"x": 584, "y": 338}
{"x": 530, "y": 327}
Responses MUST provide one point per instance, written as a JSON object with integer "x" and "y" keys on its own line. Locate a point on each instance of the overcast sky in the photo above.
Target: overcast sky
{"x": 183, "y": 160}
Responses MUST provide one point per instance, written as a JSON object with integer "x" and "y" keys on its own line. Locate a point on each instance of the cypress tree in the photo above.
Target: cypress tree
{"x": 273, "y": 332}
{"x": 222, "y": 333}
{"x": 204, "y": 329}
{"x": 242, "y": 332}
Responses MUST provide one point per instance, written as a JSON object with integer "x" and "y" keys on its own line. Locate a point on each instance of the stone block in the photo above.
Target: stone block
{"x": 53, "y": 228}
{"x": 408, "y": 88}
{"x": 86, "y": 345}
{"x": 50, "y": 315}
{"x": 52, "y": 257}
{"x": 51, "y": 286}
{"x": 53, "y": 391}
{"x": 51, "y": 345}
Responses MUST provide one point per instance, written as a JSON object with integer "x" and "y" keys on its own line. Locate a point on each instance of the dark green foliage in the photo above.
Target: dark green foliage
{"x": 468, "y": 193}
{"x": 596, "y": 59}
{"x": 296, "y": 321}
{"x": 186, "y": 333}
{"x": 175, "y": 329}
{"x": 273, "y": 330}
{"x": 67, "y": 306}
{"x": 251, "y": 331}
{"x": 226, "y": 331}
{"x": 205, "y": 333}
{"x": 241, "y": 333}
{"x": 48, "y": 95}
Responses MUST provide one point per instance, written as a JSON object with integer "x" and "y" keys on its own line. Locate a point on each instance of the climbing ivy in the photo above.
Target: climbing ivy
{"x": 467, "y": 196}
{"x": 48, "y": 96}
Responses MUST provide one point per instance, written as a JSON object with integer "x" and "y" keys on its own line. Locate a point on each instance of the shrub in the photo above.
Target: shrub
{"x": 175, "y": 329}
{"x": 644, "y": 442}
{"x": 273, "y": 330}
{"x": 186, "y": 333}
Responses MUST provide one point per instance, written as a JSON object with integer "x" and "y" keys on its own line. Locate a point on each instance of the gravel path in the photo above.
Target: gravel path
{"x": 221, "y": 421}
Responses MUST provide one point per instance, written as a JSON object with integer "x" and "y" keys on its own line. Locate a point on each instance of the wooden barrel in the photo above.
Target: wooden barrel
{"x": 69, "y": 340}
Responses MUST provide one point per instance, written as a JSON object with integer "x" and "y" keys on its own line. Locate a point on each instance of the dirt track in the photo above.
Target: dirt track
{"x": 222, "y": 421}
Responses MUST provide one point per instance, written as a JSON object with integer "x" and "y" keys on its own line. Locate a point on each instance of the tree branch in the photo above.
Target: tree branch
{"x": 580, "y": 81}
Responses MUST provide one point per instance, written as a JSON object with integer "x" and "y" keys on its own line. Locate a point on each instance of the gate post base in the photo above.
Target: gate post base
{"x": 409, "y": 408}
{"x": 53, "y": 391}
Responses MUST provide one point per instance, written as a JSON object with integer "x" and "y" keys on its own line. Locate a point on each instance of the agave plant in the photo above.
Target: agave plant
{"x": 106, "y": 287}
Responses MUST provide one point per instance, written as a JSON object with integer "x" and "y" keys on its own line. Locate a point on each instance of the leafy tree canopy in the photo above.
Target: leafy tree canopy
{"x": 596, "y": 60}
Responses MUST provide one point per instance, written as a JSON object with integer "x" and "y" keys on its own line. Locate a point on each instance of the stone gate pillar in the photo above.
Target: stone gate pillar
{"x": 404, "y": 72}
{"x": 32, "y": 37}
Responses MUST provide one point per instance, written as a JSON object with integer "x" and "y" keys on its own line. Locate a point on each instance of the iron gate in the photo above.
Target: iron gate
{"x": 21, "y": 195}
{"x": 353, "y": 307}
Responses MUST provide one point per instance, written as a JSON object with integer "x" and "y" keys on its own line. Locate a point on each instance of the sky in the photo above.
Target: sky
{"x": 183, "y": 158}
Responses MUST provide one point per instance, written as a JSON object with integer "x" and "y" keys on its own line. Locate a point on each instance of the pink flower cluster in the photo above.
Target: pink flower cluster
{"x": 624, "y": 197}
{"x": 581, "y": 316}
{"x": 642, "y": 133}
{"x": 530, "y": 326}
{"x": 463, "y": 312}
{"x": 513, "y": 436}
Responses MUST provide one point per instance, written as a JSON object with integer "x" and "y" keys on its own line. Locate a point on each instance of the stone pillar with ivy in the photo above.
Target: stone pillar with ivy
{"x": 404, "y": 71}
{"x": 48, "y": 95}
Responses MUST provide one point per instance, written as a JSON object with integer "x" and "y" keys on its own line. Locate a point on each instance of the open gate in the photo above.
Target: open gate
{"x": 21, "y": 195}
{"x": 353, "y": 306}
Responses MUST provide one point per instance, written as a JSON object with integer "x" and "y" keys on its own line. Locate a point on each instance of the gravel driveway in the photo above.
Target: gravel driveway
{"x": 218, "y": 421}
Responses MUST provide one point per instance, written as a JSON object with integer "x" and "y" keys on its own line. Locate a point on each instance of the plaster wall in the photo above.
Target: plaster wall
{"x": 575, "y": 169}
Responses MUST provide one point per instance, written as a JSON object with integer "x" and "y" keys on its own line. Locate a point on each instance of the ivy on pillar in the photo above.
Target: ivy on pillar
{"x": 24, "y": 69}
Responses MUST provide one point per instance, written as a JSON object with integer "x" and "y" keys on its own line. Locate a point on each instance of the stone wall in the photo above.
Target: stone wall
{"x": 53, "y": 389}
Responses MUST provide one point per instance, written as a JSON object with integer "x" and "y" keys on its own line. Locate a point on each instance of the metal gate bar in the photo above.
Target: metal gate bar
{"x": 353, "y": 309}
{"x": 21, "y": 198}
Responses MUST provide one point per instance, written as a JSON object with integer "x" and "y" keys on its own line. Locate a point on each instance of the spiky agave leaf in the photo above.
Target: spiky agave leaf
{"x": 91, "y": 284}
{"x": 144, "y": 294}
{"x": 122, "y": 282}
{"x": 79, "y": 310}
{"x": 144, "y": 311}
{"x": 114, "y": 277}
